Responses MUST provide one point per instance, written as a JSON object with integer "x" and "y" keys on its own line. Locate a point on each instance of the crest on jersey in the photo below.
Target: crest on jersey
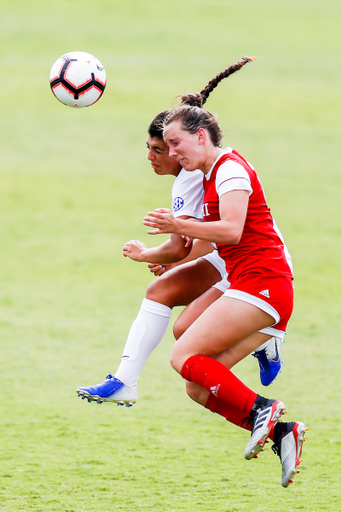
{"x": 178, "y": 204}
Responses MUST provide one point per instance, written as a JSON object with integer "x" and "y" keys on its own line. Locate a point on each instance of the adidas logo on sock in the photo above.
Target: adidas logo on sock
{"x": 265, "y": 293}
{"x": 214, "y": 390}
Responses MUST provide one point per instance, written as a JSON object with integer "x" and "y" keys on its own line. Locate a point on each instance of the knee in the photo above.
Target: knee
{"x": 174, "y": 363}
{"x": 179, "y": 328}
{"x": 154, "y": 291}
{"x": 177, "y": 359}
{"x": 160, "y": 291}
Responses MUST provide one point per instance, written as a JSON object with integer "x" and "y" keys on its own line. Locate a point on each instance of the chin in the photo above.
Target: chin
{"x": 189, "y": 168}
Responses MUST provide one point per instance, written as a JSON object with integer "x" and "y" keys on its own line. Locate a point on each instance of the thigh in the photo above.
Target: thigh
{"x": 183, "y": 284}
{"x": 225, "y": 323}
{"x": 194, "y": 310}
{"x": 231, "y": 356}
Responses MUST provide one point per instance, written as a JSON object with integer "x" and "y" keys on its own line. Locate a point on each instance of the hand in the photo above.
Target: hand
{"x": 188, "y": 240}
{"x": 134, "y": 250}
{"x": 157, "y": 269}
{"x": 162, "y": 220}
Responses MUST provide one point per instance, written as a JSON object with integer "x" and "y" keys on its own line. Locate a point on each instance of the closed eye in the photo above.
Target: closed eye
{"x": 158, "y": 149}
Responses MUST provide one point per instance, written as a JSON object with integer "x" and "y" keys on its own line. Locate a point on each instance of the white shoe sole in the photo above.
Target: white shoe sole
{"x": 261, "y": 434}
{"x": 291, "y": 450}
{"x": 119, "y": 400}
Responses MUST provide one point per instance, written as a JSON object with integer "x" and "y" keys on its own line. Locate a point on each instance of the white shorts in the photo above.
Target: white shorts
{"x": 219, "y": 264}
{"x": 222, "y": 285}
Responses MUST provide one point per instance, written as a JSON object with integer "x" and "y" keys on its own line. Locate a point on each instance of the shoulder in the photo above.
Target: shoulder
{"x": 186, "y": 182}
{"x": 187, "y": 194}
{"x": 233, "y": 174}
{"x": 189, "y": 176}
{"x": 230, "y": 171}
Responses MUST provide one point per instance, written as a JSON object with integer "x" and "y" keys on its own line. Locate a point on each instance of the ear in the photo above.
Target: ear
{"x": 202, "y": 135}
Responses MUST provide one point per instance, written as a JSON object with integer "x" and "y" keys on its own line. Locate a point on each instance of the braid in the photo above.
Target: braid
{"x": 224, "y": 74}
{"x": 193, "y": 116}
{"x": 199, "y": 98}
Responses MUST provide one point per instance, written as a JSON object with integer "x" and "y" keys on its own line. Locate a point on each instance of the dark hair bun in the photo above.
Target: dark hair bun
{"x": 193, "y": 100}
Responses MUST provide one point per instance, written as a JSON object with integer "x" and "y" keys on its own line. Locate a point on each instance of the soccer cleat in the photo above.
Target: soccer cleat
{"x": 264, "y": 418}
{"x": 110, "y": 390}
{"x": 269, "y": 360}
{"x": 289, "y": 449}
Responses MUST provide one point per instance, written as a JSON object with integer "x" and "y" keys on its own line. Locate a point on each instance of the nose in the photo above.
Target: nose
{"x": 172, "y": 152}
{"x": 150, "y": 155}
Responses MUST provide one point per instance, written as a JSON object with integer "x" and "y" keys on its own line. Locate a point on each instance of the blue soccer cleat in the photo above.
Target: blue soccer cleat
{"x": 269, "y": 360}
{"x": 110, "y": 390}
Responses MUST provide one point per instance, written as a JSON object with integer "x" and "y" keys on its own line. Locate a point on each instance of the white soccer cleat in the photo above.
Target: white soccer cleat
{"x": 289, "y": 449}
{"x": 264, "y": 420}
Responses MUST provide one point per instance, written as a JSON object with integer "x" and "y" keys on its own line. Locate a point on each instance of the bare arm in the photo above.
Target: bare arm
{"x": 232, "y": 208}
{"x": 171, "y": 251}
{"x": 199, "y": 249}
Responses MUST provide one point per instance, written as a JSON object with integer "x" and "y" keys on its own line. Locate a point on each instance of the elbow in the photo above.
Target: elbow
{"x": 235, "y": 240}
{"x": 231, "y": 233}
{"x": 232, "y": 237}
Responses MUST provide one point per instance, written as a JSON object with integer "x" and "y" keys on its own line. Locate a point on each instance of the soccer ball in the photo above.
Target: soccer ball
{"x": 78, "y": 79}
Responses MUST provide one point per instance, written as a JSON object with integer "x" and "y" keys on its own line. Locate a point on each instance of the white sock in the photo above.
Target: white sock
{"x": 258, "y": 349}
{"x": 264, "y": 345}
{"x": 144, "y": 336}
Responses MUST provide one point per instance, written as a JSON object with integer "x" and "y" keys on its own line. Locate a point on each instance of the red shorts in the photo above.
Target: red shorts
{"x": 274, "y": 295}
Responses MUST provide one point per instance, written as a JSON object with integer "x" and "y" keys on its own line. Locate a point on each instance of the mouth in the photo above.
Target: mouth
{"x": 183, "y": 162}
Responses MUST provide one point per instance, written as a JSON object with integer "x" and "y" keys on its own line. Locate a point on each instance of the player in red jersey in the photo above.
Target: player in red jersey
{"x": 201, "y": 279}
{"x": 259, "y": 302}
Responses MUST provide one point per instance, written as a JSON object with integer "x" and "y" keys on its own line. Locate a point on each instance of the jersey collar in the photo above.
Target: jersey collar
{"x": 225, "y": 151}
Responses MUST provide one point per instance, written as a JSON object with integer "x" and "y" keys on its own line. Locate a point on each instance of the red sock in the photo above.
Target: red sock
{"x": 218, "y": 380}
{"x": 230, "y": 413}
{"x": 233, "y": 415}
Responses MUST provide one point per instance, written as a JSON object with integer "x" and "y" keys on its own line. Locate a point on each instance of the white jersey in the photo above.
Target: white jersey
{"x": 187, "y": 198}
{"x": 187, "y": 194}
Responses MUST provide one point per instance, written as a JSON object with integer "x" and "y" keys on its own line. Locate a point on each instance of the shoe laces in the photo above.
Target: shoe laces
{"x": 258, "y": 356}
{"x": 109, "y": 376}
{"x": 276, "y": 449}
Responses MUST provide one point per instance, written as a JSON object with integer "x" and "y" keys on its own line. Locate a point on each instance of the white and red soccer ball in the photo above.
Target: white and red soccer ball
{"x": 78, "y": 79}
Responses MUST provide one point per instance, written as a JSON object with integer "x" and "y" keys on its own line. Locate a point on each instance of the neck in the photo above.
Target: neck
{"x": 212, "y": 155}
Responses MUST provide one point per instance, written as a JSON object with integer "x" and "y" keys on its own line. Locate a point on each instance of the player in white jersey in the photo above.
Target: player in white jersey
{"x": 198, "y": 282}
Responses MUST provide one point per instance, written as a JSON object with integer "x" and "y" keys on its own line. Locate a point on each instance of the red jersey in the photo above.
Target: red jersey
{"x": 260, "y": 246}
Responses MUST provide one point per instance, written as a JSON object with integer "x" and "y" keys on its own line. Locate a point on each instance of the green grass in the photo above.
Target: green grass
{"x": 75, "y": 185}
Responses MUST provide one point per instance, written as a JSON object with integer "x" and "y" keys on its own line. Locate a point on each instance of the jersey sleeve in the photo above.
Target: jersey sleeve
{"x": 187, "y": 194}
{"x": 232, "y": 176}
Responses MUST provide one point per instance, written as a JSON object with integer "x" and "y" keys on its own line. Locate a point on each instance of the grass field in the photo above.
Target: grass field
{"x": 75, "y": 185}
